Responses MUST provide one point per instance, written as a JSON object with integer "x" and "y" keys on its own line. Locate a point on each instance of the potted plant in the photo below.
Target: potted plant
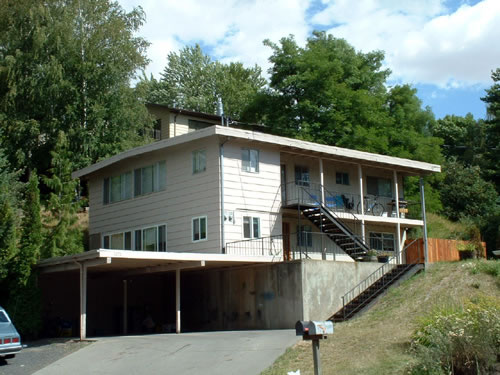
{"x": 466, "y": 250}
{"x": 383, "y": 257}
{"x": 370, "y": 256}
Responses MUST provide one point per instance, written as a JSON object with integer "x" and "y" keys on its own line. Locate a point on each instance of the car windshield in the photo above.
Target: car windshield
{"x": 3, "y": 317}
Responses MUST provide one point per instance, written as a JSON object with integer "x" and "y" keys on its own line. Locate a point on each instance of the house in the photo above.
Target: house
{"x": 265, "y": 230}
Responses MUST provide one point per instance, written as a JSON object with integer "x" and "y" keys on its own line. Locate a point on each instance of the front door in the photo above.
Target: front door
{"x": 286, "y": 242}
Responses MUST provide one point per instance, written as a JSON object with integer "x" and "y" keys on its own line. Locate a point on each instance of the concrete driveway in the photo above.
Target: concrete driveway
{"x": 232, "y": 352}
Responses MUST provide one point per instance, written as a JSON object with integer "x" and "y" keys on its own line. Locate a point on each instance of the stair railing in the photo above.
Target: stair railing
{"x": 375, "y": 276}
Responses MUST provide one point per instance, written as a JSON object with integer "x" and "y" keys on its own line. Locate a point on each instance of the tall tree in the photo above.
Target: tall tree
{"x": 66, "y": 65}
{"x": 62, "y": 236}
{"x": 492, "y": 100}
{"x": 192, "y": 80}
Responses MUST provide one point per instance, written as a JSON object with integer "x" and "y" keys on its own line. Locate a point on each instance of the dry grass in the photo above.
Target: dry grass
{"x": 377, "y": 342}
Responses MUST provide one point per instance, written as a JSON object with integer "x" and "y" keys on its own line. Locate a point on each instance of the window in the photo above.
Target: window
{"x": 301, "y": 175}
{"x": 141, "y": 181}
{"x": 342, "y": 178}
{"x": 304, "y": 235}
{"x": 251, "y": 227}
{"x": 199, "y": 161}
{"x": 250, "y": 160}
{"x": 150, "y": 179}
{"x": 379, "y": 186}
{"x": 194, "y": 125}
{"x": 199, "y": 228}
{"x": 148, "y": 239}
{"x": 382, "y": 241}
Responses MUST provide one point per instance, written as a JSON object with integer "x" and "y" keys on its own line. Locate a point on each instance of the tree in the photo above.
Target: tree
{"x": 62, "y": 236}
{"x": 492, "y": 100}
{"x": 31, "y": 232}
{"x": 66, "y": 65}
{"x": 191, "y": 80}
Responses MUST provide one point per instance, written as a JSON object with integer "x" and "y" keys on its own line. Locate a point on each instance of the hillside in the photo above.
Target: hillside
{"x": 378, "y": 341}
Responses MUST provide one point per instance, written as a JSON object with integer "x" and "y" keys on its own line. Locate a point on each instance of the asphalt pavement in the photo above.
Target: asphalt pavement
{"x": 207, "y": 353}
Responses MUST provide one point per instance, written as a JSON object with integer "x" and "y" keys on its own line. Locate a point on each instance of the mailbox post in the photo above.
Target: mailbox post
{"x": 314, "y": 331}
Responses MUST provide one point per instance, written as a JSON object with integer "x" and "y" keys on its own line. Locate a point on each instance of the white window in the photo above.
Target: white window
{"x": 250, "y": 160}
{"x": 382, "y": 241}
{"x": 199, "y": 161}
{"x": 304, "y": 235}
{"x": 379, "y": 186}
{"x": 342, "y": 178}
{"x": 147, "y": 239}
{"x": 301, "y": 175}
{"x": 251, "y": 227}
{"x": 117, "y": 188}
{"x": 199, "y": 225}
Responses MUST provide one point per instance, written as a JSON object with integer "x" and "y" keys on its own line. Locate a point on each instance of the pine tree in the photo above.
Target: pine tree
{"x": 62, "y": 236}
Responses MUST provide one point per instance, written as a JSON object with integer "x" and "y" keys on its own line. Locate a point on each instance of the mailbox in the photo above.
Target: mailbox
{"x": 313, "y": 328}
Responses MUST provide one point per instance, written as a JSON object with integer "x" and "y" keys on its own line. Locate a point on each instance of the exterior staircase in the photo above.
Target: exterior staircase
{"x": 325, "y": 220}
{"x": 374, "y": 290}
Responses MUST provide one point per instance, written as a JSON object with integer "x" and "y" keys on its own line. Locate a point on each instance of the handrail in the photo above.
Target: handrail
{"x": 365, "y": 284}
{"x": 337, "y": 219}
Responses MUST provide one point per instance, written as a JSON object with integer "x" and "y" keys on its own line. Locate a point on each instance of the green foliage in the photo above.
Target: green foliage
{"x": 31, "y": 232}
{"x": 62, "y": 237}
{"x": 66, "y": 65}
{"x": 191, "y": 80}
{"x": 465, "y": 194}
{"x": 463, "y": 339}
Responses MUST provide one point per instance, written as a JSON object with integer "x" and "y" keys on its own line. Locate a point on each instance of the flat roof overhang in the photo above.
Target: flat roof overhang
{"x": 133, "y": 262}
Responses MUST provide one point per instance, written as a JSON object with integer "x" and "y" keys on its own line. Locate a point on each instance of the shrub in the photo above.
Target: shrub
{"x": 461, "y": 339}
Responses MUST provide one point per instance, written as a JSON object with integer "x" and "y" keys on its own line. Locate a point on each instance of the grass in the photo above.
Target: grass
{"x": 440, "y": 227}
{"x": 378, "y": 341}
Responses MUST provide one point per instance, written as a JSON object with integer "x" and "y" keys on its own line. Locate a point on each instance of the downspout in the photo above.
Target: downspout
{"x": 222, "y": 232}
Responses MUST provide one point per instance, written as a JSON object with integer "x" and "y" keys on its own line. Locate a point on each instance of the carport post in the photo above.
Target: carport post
{"x": 178, "y": 300}
{"x": 125, "y": 303}
{"x": 83, "y": 301}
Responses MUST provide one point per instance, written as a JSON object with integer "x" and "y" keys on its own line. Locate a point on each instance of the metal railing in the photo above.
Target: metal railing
{"x": 298, "y": 244}
{"x": 378, "y": 274}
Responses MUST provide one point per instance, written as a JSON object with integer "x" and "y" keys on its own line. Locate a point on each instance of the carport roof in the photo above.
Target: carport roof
{"x": 143, "y": 262}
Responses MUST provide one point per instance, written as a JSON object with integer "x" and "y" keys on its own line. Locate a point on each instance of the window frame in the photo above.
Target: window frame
{"x": 252, "y": 220}
{"x": 199, "y": 218}
{"x": 382, "y": 240}
{"x": 308, "y": 236}
{"x": 196, "y": 161}
{"x": 343, "y": 177}
{"x": 246, "y": 160}
{"x": 134, "y": 237}
{"x": 369, "y": 186}
{"x": 302, "y": 170}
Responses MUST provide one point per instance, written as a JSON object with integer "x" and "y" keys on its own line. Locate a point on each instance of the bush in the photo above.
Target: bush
{"x": 461, "y": 339}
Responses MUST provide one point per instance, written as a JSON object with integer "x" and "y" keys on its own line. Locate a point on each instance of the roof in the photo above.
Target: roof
{"x": 285, "y": 144}
{"x": 203, "y": 115}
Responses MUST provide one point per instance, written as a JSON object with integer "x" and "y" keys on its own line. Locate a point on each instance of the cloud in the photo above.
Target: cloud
{"x": 424, "y": 41}
{"x": 232, "y": 30}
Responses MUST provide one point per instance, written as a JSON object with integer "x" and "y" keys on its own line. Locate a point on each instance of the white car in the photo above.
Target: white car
{"x": 10, "y": 341}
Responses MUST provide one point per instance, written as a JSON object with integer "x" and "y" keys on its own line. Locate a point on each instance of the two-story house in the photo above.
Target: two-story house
{"x": 265, "y": 229}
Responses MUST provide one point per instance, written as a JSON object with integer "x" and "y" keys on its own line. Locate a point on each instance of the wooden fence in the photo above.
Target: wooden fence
{"x": 439, "y": 250}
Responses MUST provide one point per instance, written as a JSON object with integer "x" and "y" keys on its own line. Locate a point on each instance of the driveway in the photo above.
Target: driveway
{"x": 218, "y": 353}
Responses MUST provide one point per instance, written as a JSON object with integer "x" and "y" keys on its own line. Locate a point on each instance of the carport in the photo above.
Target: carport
{"x": 128, "y": 263}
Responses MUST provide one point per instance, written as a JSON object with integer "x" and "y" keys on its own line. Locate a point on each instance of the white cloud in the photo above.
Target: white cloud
{"x": 233, "y": 30}
{"x": 424, "y": 42}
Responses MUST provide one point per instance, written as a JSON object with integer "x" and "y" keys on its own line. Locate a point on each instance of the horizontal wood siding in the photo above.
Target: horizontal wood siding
{"x": 187, "y": 195}
{"x": 252, "y": 194}
{"x": 439, "y": 250}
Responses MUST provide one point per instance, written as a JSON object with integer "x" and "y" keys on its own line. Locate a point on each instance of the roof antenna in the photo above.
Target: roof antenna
{"x": 220, "y": 110}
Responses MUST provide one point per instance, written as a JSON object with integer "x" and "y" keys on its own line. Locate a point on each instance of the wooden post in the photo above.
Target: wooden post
{"x": 361, "y": 196}
{"x": 125, "y": 307}
{"x": 178, "y": 300}
{"x": 83, "y": 301}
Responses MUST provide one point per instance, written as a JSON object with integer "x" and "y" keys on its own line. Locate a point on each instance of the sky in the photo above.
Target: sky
{"x": 446, "y": 49}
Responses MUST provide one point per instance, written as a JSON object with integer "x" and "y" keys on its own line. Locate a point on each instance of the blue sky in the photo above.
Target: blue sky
{"x": 444, "y": 48}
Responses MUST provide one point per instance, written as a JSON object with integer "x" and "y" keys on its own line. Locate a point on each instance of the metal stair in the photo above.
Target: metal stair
{"x": 325, "y": 220}
{"x": 374, "y": 290}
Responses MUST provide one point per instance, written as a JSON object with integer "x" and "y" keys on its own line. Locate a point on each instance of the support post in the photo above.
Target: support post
{"x": 398, "y": 225}
{"x": 422, "y": 202}
{"x": 361, "y": 197}
{"x": 83, "y": 301}
{"x": 125, "y": 307}
{"x": 178, "y": 301}
{"x": 322, "y": 180}
{"x": 316, "y": 358}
